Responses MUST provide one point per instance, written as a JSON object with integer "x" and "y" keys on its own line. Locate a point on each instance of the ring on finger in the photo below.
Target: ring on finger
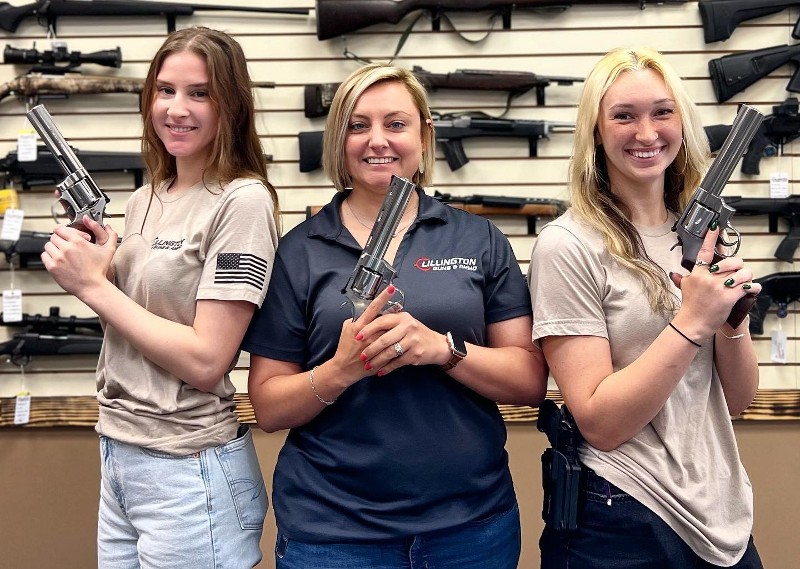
{"x": 700, "y": 262}
{"x": 398, "y": 349}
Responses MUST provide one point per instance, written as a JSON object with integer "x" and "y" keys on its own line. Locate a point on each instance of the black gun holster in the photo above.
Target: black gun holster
{"x": 561, "y": 470}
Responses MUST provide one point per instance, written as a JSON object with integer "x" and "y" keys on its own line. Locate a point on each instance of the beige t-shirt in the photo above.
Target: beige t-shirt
{"x": 199, "y": 244}
{"x": 684, "y": 465}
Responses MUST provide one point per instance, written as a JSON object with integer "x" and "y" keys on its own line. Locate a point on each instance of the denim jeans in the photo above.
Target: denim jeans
{"x": 204, "y": 511}
{"x": 493, "y": 543}
{"x": 623, "y": 535}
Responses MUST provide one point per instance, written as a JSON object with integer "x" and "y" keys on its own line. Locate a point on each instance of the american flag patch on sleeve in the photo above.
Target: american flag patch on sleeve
{"x": 240, "y": 268}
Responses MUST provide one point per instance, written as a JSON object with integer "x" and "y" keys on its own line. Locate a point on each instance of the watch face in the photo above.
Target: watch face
{"x": 459, "y": 347}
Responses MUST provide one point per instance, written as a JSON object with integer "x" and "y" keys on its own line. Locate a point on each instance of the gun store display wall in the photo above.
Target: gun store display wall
{"x": 55, "y": 469}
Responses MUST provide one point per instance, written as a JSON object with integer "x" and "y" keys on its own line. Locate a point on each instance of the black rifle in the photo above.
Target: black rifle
{"x": 340, "y": 17}
{"x": 732, "y": 74}
{"x": 27, "y": 250}
{"x": 450, "y": 130}
{"x": 52, "y": 335}
{"x": 532, "y": 208}
{"x": 60, "y": 60}
{"x": 46, "y": 170}
{"x": 787, "y": 208}
{"x": 720, "y": 17}
{"x": 48, "y": 11}
{"x": 706, "y": 204}
{"x": 780, "y": 288}
{"x": 318, "y": 96}
{"x": 561, "y": 471}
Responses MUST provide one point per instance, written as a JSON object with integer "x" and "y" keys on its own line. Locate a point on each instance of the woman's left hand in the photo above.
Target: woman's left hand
{"x": 400, "y": 339}
{"x": 74, "y": 261}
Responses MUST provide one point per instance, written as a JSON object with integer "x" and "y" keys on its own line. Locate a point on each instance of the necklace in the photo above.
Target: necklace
{"x": 398, "y": 230}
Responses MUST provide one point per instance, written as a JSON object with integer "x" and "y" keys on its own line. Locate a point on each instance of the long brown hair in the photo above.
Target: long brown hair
{"x": 236, "y": 151}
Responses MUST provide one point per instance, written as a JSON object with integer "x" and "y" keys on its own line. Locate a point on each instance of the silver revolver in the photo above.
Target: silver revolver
{"x": 79, "y": 193}
{"x": 372, "y": 270}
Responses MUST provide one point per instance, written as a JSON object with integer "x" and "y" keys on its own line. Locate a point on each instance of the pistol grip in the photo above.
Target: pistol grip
{"x": 740, "y": 310}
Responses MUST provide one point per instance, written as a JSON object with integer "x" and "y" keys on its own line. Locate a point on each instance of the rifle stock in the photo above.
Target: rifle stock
{"x": 720, "y": 17}
{"x": 732, "y": 74}
{"x": 27, "y": 250}
{"x": 340, "y": 17}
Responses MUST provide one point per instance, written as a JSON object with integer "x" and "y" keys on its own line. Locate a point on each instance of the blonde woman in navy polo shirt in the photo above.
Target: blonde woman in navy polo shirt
{"x": 395, "y": 457}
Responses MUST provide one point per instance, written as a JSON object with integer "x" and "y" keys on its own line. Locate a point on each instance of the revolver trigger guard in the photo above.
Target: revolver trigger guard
{"x": 736, "y": 243}
{"x": 393, "y": 306}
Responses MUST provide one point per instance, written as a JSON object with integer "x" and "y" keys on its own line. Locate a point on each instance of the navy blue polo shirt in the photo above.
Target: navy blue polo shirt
{"x": 413, "y": 451}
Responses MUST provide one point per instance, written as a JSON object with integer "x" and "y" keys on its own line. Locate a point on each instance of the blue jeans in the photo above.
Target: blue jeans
{"x": 204, "y": 511}
{"x": 493, "y": 543}
{"x": 624, "y": 535}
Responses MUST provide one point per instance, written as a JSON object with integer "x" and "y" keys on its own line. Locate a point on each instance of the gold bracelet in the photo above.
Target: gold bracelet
{"x": 737, "y": 336}
{"x": 314, "y": 389}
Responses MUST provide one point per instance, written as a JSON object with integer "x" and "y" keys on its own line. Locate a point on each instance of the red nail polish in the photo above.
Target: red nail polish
{"x": 381, "y": 373}
{"x": 359, "y": 336}
{"x": 367, "y": 366}
{"x": 390, "y": 288}
{"x": 363, "y": 357}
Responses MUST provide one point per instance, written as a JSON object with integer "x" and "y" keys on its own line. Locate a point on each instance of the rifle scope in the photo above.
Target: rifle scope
{"x": 60, "y": 55}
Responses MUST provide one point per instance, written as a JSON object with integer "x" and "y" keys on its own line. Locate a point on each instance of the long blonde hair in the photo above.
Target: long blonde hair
{"x": 590, "y": 194}
{"x": 236, "y": 152}
{"x": 333, "y": 155}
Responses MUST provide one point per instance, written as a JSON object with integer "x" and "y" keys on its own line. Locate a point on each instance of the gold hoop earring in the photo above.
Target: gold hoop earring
{"x": 422, "y": 163}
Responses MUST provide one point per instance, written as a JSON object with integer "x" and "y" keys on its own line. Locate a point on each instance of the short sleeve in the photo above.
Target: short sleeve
{"x": 566, "y": 282}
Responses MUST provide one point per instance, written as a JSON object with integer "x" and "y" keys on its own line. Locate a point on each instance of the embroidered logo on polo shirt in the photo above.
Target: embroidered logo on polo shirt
{"x": 451, "y": 264}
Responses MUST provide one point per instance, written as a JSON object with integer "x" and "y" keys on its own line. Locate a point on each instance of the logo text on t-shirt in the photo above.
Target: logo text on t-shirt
{"x": 167, "y": 244}
{"x": 451, "y": 264}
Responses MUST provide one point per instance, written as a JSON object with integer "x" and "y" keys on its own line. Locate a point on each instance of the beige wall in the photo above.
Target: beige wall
{"x": 49, "y": 482}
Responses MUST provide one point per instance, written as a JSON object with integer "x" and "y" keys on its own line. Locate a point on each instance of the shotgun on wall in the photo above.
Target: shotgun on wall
{"x": 720, "y": 17}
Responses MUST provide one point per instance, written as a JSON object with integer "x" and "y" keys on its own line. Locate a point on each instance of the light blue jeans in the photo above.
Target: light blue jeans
{"x": 202, "y": 511}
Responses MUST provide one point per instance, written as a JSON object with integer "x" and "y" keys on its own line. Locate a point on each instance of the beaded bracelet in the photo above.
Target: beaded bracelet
{"x": 688, "y": 339}
{"x": 314, "y": 389}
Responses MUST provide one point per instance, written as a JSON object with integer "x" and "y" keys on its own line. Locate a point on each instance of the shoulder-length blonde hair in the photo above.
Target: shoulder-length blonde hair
{"x": 236, "y": 152}
{"x": 333, "y": 155}
{"x": 590, "y": 194}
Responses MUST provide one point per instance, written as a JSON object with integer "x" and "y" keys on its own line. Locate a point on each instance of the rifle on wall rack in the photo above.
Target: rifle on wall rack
{"x": 450, "y": 130}
{"x": 46, "y": 170}
{"x": 52, "y": 335}
{"x": 485, "y": 205}
{"x": 340, "y": 17}
{"x": 318, "y": 96}
{"x": 779, "y": 288}
{"x": 48, "y": 11}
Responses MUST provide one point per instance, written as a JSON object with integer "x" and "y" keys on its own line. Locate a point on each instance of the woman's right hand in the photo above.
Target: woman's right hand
{"x": 711, "y": 290}
{"x": 349, "y": 357}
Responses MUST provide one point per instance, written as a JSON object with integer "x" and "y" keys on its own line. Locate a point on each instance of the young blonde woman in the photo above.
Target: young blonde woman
{"x": 395, "y": 457}
{"x": 639, "y": 349}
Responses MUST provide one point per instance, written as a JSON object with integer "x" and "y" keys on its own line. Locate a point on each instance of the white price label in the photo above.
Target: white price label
{"x": 12, "y": 305}
{"x": 12, "y": 224}
{"x": 26, "y": 146}
{"x": 22, "y": 409}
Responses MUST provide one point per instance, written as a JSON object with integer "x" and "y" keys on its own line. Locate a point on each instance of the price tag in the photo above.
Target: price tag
{"x": 26, "y": 146}
{"x": 9, "y": 199}
{"x": 779, "y": 185}
{"x": 12, "y": 224}
{"x": 779, "y": 346}
{"x": 12, "y": 305}
{"x": 22, "y": 409}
